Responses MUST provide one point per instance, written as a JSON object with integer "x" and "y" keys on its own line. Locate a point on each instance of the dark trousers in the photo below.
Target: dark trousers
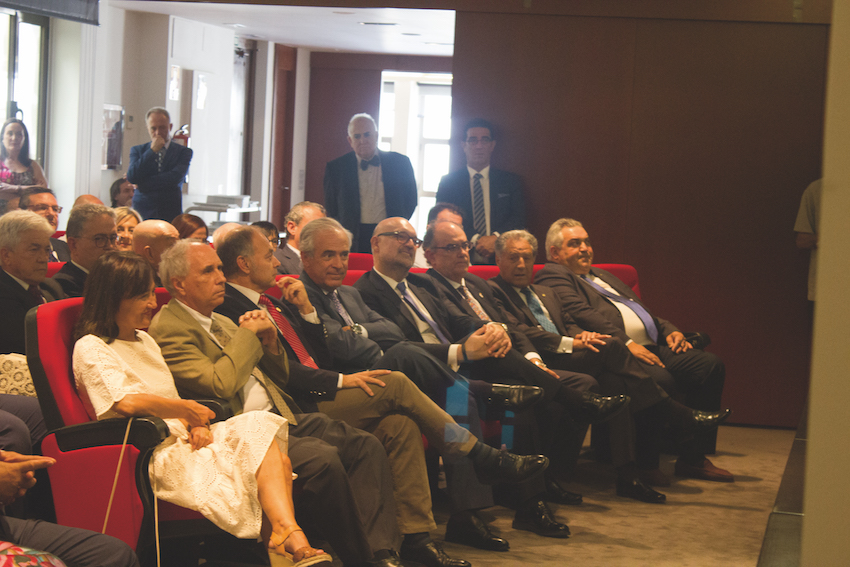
{"x": 344, "y": 486}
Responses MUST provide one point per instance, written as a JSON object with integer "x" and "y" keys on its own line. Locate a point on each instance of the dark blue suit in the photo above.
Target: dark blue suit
{"x": 159, "y": 193}
{"x": 342, "y": 190}
{"x": 507, "y": 204}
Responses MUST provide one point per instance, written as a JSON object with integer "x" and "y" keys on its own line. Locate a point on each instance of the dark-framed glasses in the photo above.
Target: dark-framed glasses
{"x": 454, "y": 247}
{"x": 42, "y": 208}
{"x": 275, "y": 241}
{"x": 476, "y": 141}
{"x": 102, "y": 240}
{"x": 402, "y": 237}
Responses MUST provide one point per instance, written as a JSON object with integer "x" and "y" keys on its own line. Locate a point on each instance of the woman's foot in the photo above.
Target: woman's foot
{"x": 292, "y": 544}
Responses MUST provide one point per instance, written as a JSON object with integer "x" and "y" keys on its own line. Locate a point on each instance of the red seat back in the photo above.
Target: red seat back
{"x": 360, "y": 261}
{"x": 53, "y": 267}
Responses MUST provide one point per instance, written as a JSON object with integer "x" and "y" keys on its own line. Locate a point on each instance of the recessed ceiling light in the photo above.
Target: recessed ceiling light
{"x": 378, "y": 24}
{"x": 409, "y": 33}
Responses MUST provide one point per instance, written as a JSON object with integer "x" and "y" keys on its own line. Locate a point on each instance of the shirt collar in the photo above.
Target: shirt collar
{"x": 485, "y": 173}
{"x": 388, "y": 279}
{"x": 80, "y": 267}
{"x": 293, "y": 248}
{"x": 204, "y": 321}
{"x": 254, "y": 296}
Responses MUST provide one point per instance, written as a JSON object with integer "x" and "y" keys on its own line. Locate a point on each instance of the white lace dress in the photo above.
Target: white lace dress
{"x": 218, "y": 480}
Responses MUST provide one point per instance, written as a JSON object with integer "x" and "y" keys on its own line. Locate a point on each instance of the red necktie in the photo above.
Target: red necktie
{"x": 289, "y": 334}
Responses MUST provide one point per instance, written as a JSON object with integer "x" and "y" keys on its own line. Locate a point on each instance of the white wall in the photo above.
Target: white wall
{"x": 827, "y": 498}
{"x": 299, "y": 125}
{"x": 260, "y": 159}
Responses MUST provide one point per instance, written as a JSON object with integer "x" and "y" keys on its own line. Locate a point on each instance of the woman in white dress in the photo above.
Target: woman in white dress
{"x": 236, "y": 473}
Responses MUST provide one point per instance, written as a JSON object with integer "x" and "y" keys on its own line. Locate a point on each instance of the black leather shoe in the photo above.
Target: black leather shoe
{"x": 431, "y": 555}
{"x": 537, "y": 518}
{"x": 385, "y": 558}
{"x": 635, "y": 488}
{"x": 468, "y": 529}
{"x": 514, "y": 398}
{"x": 596, "y": 409}
{"x": 706, "y": 421}
{"x": 501, "y": 466}
{"x": 560, "y": 495}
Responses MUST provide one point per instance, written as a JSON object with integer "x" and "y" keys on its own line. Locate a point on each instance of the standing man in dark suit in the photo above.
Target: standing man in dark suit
{"x": 597, "y": 300}
{"x": 491, "y": 199}
{"x": 365, "y": 186}
{"x": 43, "y": 202}
{"x": 91, "y": 234}
{"x": 296, "y": 219}
{"x": 158, "y": 169}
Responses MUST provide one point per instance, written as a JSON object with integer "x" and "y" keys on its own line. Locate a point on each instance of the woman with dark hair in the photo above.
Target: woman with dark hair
{"x": 190, "y": 226}
{"x": 17, "y": 170}
{"x": 236, "y": 472}
{"x": 121, "y": 192}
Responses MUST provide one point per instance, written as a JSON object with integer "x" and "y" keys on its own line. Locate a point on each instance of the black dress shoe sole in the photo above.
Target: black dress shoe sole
{"x": 530, "y": 526}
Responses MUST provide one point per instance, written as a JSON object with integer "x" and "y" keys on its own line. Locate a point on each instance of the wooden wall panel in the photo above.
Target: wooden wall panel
{"x": 684, "y": 147}
{"x": 341, "y": 85}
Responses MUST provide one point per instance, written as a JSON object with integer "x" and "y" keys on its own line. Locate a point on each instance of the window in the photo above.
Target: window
{"x": 23, "y": 57}
{"x": 415, "y": 120}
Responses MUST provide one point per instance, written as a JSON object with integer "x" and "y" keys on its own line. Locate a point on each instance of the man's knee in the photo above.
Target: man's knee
{"x": 14, "y": 434}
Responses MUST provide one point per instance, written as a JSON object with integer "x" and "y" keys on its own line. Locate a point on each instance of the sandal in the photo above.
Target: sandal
{"x": 301, "y": 558}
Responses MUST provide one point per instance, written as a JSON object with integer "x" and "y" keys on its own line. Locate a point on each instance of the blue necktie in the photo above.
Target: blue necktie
{"x": 640, "y": 310}
{"x": 340, "y": 309}
{"x": 408, "y": 298}
{"x": 537, "y": 311}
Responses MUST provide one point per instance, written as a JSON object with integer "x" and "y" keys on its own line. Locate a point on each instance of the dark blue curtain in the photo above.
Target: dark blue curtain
{"x": 78, "y": 10}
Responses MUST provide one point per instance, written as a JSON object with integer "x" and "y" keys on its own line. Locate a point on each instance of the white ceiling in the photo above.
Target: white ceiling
{"x": 416, "y": 32}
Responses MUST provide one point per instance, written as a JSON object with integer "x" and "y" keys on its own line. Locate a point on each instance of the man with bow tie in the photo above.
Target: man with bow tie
{"x": 367, "y": 185}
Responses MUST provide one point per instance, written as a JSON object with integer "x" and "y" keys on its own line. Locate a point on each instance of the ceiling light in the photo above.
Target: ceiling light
{"x": 378, "y": 24}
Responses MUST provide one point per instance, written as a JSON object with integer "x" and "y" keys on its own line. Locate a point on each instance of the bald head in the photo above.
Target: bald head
{"x": 87, "y": 200}
{"x": 394, "y": 244}
{"x": 221, "y": 232}
{"x": 153, "y": 237}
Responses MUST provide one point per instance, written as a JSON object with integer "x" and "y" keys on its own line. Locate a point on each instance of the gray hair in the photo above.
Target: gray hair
{"x": 122, "y": 213}
{"x": 296, "y": 213}
{"x": 14, "y": 223}
{"x": 238, "y": 242}
{"x": 307, "y": 245}
{"x": 361, "y": 115}
{"x": 24, "y": 203}
{"x": 506, "y": 237}
{"x": 555, "y": 236}
{"x": 175, "y": 262}
{"x": 158, "y": 110}
{"x": 82, "y": 214}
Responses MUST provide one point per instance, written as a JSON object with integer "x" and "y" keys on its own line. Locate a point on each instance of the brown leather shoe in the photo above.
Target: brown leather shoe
{"x": 654, "y": 477}
{"x": 705, "y": 472}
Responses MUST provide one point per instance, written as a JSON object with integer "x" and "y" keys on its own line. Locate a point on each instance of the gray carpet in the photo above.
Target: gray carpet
{"x": 703, "y": 523}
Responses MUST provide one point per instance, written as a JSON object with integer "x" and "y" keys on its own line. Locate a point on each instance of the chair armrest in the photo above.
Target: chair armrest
{"x": 145, "y": 433}
{"x": 222, "y": 409}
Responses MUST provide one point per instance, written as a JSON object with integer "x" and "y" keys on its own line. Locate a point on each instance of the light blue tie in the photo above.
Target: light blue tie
{"x": 537, "y": 311}
{"x": 408, "y": 298}
{"x": 640, "y": 310}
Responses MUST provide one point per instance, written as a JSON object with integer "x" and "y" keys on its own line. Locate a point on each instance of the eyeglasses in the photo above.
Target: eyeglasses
{"x": 402, "y": 237}
{"x": 476, "y": 141}
{"x": 454, "y": 247}
{"x": 102, "y": 240}
{"x": 275, "y": 241}
{"x": 41, "y": 208}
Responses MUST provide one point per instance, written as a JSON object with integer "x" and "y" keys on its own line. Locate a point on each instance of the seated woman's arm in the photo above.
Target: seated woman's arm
{"x": 190, "y": 412}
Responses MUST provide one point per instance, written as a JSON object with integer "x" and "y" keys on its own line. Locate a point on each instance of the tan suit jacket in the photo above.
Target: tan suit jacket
{"x": 202, "y": 369}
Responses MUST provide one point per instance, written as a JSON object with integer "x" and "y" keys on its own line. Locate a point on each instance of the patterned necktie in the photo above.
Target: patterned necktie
{"x": 640, "y": 310}
{"x": 408, "y": 298}
{"x": 160, "y": 155}
{"x": 35, "y": 292}
{"x": 289, "y": 334}
{"x": 537, "y": 311}
{"x": 479, "y": 217}
{"x": 340, "y": 309}
{"x": 476, "y": 307}
{"x": 223, "y": 338}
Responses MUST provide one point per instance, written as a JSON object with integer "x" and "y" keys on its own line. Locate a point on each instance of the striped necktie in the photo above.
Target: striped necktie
{"x": 476, "y": 307}
{"x": 289, "y": 334}
{"x": 479, "y": 217}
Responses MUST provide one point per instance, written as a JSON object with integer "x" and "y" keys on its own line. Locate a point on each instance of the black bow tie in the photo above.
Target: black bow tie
{"x": 376, "y": 161}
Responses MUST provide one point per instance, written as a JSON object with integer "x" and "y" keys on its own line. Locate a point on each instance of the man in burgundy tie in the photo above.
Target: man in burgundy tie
{"x": 387, "y": 404}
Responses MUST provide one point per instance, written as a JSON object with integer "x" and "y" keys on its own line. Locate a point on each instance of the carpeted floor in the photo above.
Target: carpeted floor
{"x": 703, "y": 523}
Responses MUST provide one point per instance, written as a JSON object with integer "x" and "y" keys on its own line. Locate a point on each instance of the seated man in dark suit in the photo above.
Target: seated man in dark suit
{"x": 383, "y": 403}
{"x": 91, "y": 233}
{"x": 599, "y": 301}
{"x": 43, "y": 203}
{"x": 354, "y": 332}
{"x": 158, "y": 169}
{"x": 491, "y": 199}
{"x": 367, "y": 185}
{"x": 296, "y": 219}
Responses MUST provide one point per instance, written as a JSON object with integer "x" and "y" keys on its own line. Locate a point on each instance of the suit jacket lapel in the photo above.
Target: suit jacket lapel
{"x": 517, "y": 301}
{"x": 394, "y": 302}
